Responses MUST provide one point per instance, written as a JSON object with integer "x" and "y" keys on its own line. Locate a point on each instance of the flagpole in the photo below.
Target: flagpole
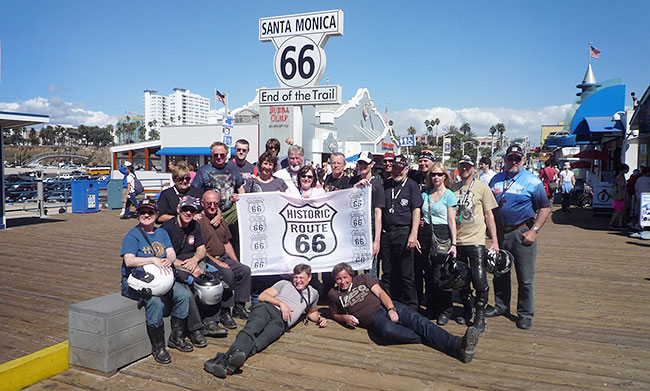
{"x": 226, "y": 102}
{"x": 589, "y": 53}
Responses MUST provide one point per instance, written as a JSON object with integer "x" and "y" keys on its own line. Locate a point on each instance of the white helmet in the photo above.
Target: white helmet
{"x": 152, "y": 278}
{"x": 208, "y": 288}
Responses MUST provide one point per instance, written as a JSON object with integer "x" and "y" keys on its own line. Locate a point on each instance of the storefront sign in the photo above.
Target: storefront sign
{"x": 279, "y": 231}
{"x": 300, "y": 58}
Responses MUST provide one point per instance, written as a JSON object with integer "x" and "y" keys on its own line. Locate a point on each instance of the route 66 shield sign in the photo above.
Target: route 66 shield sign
{"x": 308, "y": 231}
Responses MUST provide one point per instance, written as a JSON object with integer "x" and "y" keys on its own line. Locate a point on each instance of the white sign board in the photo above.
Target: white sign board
{"x": 278, "y": 231}
{"x": 446, "y": 146}
{"x": 299, "y": 96}
{"x": 602, "y": 195}
{"x": 644, "y": 211}
{"x": 300, "y": 59}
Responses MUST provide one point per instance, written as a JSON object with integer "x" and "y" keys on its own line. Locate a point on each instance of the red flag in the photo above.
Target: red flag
{"x": 594, "y": 52}
{"x": 219, "y": 96}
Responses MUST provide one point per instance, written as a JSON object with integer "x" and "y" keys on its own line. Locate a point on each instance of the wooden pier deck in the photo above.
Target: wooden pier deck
{"x": 591, "y": 329}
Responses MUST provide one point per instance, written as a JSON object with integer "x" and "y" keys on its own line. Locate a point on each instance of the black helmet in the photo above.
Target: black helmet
{"x": 454, "y": 275}
{"x": 498, "y": 262}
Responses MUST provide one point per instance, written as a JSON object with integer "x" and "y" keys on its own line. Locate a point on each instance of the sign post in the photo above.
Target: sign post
{"x": 299, "y": 61}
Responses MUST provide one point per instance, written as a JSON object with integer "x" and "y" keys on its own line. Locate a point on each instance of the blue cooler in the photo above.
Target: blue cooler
{"x": 85, "y": 196}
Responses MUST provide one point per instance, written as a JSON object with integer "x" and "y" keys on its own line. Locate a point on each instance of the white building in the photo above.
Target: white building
{"x": 179, "y": 108}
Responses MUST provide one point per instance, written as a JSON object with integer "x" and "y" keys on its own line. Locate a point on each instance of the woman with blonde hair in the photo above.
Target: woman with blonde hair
{"x": 439, "y": 219}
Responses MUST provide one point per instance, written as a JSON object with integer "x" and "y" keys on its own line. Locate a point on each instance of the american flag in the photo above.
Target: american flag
{"x": 386, "y": 115}
{"x": 219, "y": 96}
{"x": 595, "y": 52}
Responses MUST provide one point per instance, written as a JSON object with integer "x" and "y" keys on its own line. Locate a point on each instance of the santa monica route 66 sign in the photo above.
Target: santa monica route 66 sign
{"x": 300, "y": 59}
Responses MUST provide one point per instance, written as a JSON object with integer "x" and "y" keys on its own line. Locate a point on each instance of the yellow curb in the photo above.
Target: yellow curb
{"x": 28, "y": 370}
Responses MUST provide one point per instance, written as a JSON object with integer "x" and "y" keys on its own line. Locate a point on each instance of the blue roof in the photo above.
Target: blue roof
{"x": 180, "y": 151}
{"x": 598, "y": 125}
{"x": 604, "y": 102}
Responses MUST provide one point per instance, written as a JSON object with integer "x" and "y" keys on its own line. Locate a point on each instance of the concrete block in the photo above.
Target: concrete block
{"x": 107, "y": 333}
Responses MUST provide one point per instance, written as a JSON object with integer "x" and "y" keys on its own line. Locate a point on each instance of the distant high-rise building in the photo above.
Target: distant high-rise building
{"x": 179, "y": 108}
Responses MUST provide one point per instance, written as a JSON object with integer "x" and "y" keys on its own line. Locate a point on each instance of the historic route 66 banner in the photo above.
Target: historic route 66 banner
{"x": 278, "y": 231}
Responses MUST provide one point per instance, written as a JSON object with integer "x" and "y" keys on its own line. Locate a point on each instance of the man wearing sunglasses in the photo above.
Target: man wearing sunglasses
{"x": 246, "y": 169}
{"x": 473, "y": 218}
{"x": 187, "y": 240}
{"x": 168, "y": 200}
{"x": 387, "y": 164}
{"x": 221, "y": 252}
{"x": 221, "y": 176}
{"x": 523, "y": 209}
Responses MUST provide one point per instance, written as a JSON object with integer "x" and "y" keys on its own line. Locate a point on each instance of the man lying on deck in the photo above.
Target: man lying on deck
{"x": 360, "y": 301}
{"x": 279, "y": 308}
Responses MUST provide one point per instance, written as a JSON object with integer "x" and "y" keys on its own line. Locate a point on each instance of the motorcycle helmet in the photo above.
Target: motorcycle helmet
{"x": 150, "y": 279}
{"x": 454, "y": 275}
{"x": 208, "y": 288}
{"x": 498, "y": 262}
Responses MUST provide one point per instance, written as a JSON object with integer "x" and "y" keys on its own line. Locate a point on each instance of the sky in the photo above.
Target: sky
{"x": 481, "y": 62}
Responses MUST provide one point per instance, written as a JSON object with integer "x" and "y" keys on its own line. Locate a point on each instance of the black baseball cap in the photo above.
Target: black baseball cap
{"x": 147, "y": 204}
{"x": 400, "y": 161}
{"x": 515, "y": 150}
{"x": 426, "y": 154}
{"x": 466, "y": 159}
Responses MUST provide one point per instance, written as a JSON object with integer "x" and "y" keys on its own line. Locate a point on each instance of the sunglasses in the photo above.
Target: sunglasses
{"x": 465, "y": 167}
{"x": 242, "y": 150}
{"x": 182, "y": 179}
{"x": 388, "y": 161}
{"x": 437, "y": 174}
{"x": 146, "y": 213}
{"x": 218, "y": 155}
{"x": 307, "y": 176}
{"x": 210, "y": 203}
{"x": 515, "y": 159}
{"x": 188, "y": 209}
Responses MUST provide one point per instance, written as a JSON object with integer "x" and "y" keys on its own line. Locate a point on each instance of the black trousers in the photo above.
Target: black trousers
{"x": 398, "y": 278}
{"x": 238, "y": 277}
{"x": 439, "y": 300}
{"x": 474, "y": 256}
{"x": 264, "y": 327}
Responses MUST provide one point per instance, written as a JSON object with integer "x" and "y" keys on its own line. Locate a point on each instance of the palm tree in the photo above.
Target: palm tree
{"x": 501, "y": 129}
{"x": 411, "y": 130}
{"x": 493, "y": 130}
{"x": 465, "y": 128}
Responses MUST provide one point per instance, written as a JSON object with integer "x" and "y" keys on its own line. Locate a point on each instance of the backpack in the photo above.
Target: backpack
{"x": 137, "y": 185}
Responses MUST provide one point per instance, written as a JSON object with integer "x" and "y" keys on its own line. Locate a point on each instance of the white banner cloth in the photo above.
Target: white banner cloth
{"x": 278, "y": 231}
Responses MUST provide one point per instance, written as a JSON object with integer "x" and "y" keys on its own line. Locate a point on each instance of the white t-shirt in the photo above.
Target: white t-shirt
{"x": 566, "y": 176}
{"x": 130, "y": 180}
{"x": 486, "y": 177}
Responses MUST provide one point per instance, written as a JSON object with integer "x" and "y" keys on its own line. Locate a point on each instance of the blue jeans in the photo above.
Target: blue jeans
{"x": 130, "y": 200}
{"x": 178, "y": 297}
{"x": 525, "y": 257}
{"x": 412, "y": 328}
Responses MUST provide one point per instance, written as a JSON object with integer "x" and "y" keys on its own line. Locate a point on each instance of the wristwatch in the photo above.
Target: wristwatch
{"x": 536, "y": 229}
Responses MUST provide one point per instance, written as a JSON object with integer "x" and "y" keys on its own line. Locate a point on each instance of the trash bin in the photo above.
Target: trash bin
{"x": 85, "y": 196}
{"x": 114, "y": 194}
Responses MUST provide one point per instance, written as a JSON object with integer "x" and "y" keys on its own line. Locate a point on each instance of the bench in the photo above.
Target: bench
{"x": 107, "y": 333}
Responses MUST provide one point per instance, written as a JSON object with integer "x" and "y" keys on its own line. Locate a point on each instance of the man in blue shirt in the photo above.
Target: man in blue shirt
{"x": 523, "y": 209}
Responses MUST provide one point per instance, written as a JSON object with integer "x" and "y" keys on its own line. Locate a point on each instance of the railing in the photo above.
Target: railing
{"x": 22, "y": 196}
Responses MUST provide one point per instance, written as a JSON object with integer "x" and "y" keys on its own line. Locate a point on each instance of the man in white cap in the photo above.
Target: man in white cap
{"x": 125, "y": 187}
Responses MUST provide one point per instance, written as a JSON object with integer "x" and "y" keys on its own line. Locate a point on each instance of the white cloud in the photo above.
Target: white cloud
{"x": 518, "y": 122}
{"x": 60, "y": 112}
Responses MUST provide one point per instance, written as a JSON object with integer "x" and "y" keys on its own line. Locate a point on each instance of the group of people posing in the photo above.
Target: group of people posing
{"x": 412, "y": 212}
